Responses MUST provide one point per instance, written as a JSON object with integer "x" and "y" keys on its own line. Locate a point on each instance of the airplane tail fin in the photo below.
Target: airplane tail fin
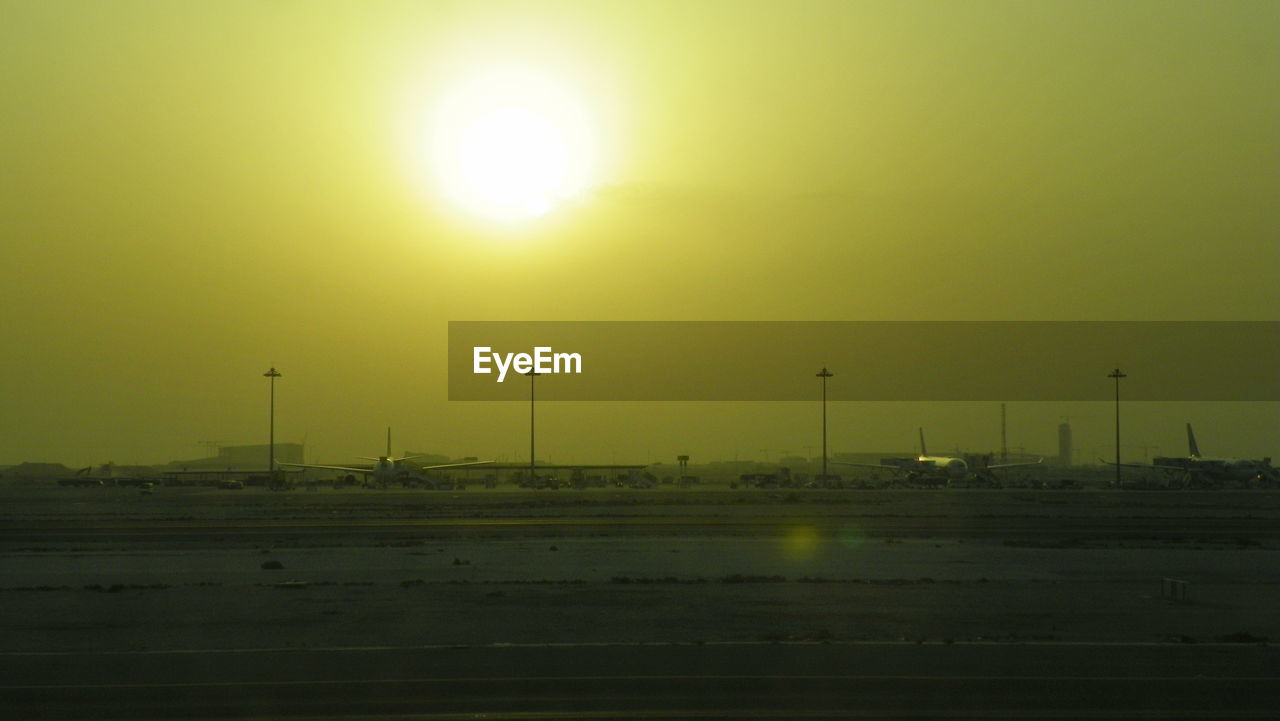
{"x": 923, "y": 451}
{"x": 1192, "y": 448}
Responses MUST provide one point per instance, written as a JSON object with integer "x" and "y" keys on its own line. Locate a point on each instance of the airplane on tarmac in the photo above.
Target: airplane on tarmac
{"x": 937, "y": 469}
{"x": 1197, "y": 469}
{"x": 387, "y": 469}
{"x": 106, "y": 475}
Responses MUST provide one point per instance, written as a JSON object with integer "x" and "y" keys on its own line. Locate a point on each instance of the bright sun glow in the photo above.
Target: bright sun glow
{"x": 511, "y": 145}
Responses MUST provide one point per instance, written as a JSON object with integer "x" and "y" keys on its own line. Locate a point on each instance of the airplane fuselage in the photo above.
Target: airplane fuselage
{"x": 948, "y": 467}
{"x": 384, "y": 470}
{"x": 1231, "y": 469}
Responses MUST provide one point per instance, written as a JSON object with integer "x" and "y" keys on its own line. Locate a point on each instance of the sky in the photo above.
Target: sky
{"x": 192, "y": 193}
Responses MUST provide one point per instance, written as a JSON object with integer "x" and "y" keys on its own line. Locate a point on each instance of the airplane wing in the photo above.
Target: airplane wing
{"x": 1163, "y": 467}
{"x": 348, "y": 469}
{"x": 1014, "y": 465}
{"x": 396, "y": 460}
{"x": 453, "y": 465}
{"x": 881, "y": 466}
{"x": 581, "y": 467}
{"x": 1156, "y": 466}
{"x": 352, "y": 469}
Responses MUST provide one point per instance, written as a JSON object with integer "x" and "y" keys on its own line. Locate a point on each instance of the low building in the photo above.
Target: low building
{"x": 243, "y": 457}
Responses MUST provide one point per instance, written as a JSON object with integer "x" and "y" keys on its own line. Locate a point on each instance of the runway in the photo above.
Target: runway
{"x": 883, "y": 608}
{"x": 1026, "y": 527}
{"x": 663, "y": 681}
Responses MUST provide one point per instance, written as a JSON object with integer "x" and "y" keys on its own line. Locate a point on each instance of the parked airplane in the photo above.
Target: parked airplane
{"x": 387, "y": 469}
{"x": 939, "y": 469}
{"x": 1197, "y": 469}
{"x": 106, "y": 475}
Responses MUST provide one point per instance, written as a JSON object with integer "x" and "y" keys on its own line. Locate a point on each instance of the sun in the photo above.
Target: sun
{"x": 511, "y": 144}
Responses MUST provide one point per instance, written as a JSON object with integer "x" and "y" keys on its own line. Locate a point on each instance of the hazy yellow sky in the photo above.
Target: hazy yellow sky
{"x": 192, "y": 192}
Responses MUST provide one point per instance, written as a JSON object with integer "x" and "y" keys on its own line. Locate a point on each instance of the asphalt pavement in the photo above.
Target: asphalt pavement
{"x": 658, "y": 681}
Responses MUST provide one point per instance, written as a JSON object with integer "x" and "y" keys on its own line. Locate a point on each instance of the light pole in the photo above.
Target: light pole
{"x": 1117, "y": 375}
{"x": 273, "y": 374}
{"x": 533, "y": 479}
{"x": 824, "y": 374}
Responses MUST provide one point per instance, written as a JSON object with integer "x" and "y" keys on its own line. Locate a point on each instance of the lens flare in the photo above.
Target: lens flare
{"x": 851, "y": 536}
{"x": 801, "y": 541}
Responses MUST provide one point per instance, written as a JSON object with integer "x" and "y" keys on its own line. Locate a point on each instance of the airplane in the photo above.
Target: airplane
{"x": 935, "y": 469}
{"x": 387, "y": 468}
{"x": 1197, "y": 469}
{"x": 105, "y": 475}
